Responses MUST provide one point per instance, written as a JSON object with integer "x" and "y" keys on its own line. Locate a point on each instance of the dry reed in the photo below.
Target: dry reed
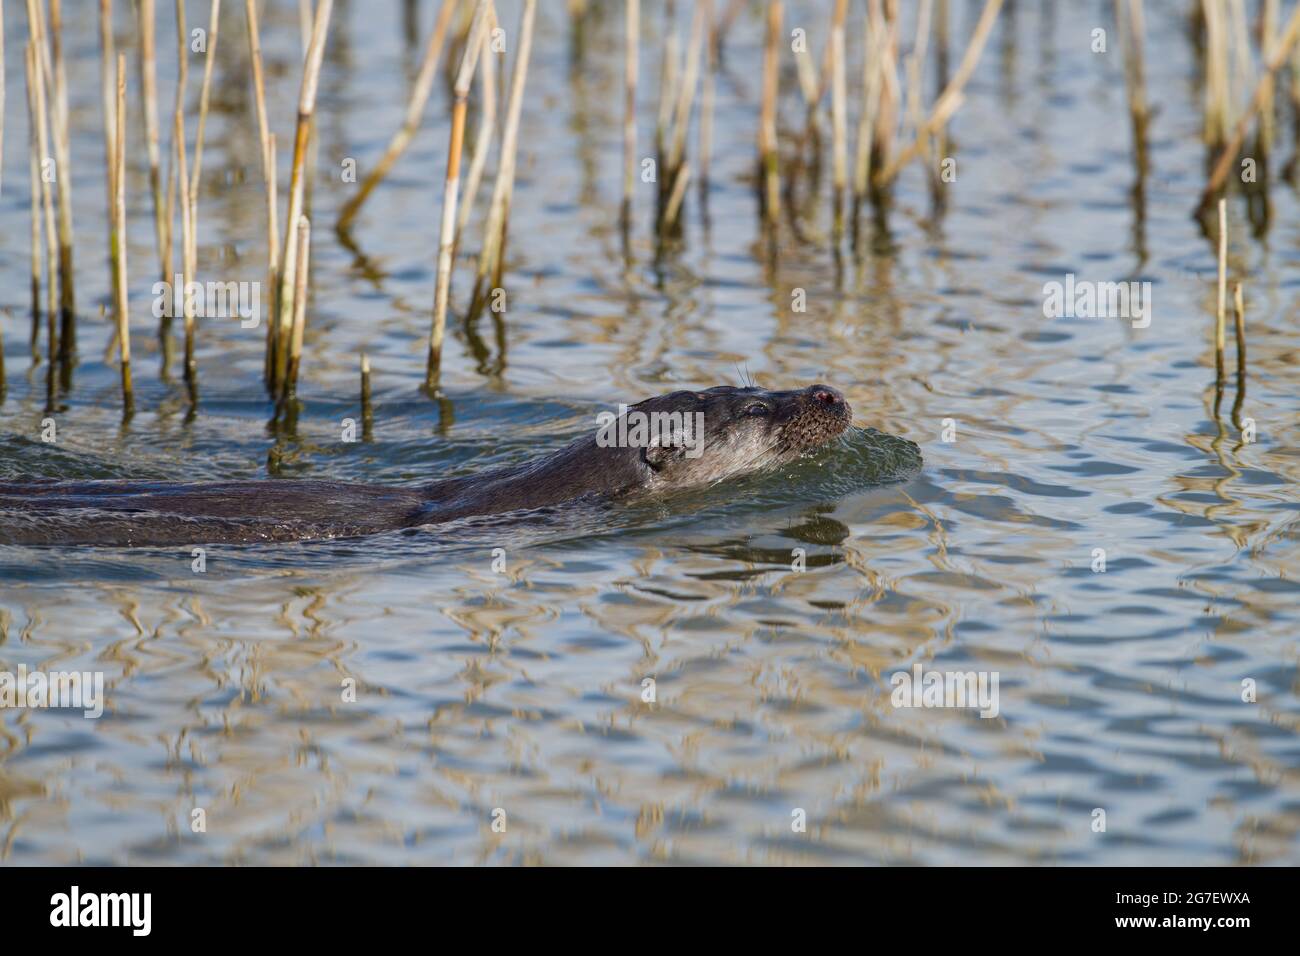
{"x": 1220, "y": 322}
{"x": 149, "y": 96}
{"x": 302, "y": 239}
{"x": 1239, "y": 312}
{"x": 62, "y": 151}
{"x": 769, "y": 173}
{"x": 47, "y": 205}
{"x": 108, "y": 87}
{"x": 483, "y": 135}
{"x": 451, "y": 186}
{"x": 410, "y": 122}
{"x": 118, "y": 178}
{"x": 491, "y": 260}
{"x": 951, "y": 97}
{"x": 1233, "y": 146}
{"x": 630, "y": 65}
{"x": 266, "y": 143}
{"x": 306, "y": 108}
{"x": 839, "y": 136}
{"x": 34, "y": 163}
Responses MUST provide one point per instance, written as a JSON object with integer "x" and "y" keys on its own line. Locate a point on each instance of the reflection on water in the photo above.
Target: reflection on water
{"x": 520, "y": 688}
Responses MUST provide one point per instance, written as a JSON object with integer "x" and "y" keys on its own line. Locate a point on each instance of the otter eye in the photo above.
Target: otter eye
{"x": 758, "y": 408}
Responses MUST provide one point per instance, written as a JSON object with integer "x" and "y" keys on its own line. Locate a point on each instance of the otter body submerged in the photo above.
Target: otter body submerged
{"x": 740, "y": 431}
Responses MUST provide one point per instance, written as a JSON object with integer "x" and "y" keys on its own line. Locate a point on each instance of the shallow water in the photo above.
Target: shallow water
{"x": 521, "y": 690}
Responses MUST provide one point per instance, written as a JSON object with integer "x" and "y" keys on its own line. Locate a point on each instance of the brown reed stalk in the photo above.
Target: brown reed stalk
{"x": 52, "y": 260}
{"x": 673, "y": 207}
{"x": 1234, "y": 144}
{"x": 451, "y": 186}
{"x": 1267, "y": 38}
{"x": 487, "y": 121}
{"x": 887, "y": 108}
{"x": 707, "y": 96}
{"x": 1132, "y": 38}
{"x": 204, "y": 92}
{"x": 62, "y": 150}
{"x": 675, "y": 170}
{"x": 914, "y": 67}
{"x": 1217, "y": 96}
{"x": 108, "y": 87}
{"x": 34, "y": 162}
{"x": 681, "y": 117}
{"x": 866, "y": 116}
{"x": 367, "y": 409}
{"x": 149, "y": 97}
{"x": 178, "y": 107}
{"x": 306, "y": 108}
{"x": 1239, "y": 309}
{"x": 118, "y": 179}
{"x": 810, "y": 86}
{"x": 667, "y": 97}
{"x": 410, "y": 122}
{"x": 267, "y": 147}
{"x": 1220, "y": 319}
{"x": 303, "y": 258}
{"x": 272, "y": 267}
{"x": 951, "y": 97}
{"x": 632, "y": 17}
{"x": 839, "y": 136}
{"x": 491, "y": 260}
{"x": 187, "y": 242}
{"x": 1240, "y": 52}
{"x": 770, "y": 177}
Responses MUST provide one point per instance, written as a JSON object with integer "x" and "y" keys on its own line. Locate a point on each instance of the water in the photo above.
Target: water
{"x": 520, "y": 691}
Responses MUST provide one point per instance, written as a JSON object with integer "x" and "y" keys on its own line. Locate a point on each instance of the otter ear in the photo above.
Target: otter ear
{"x": 656, "y": 456}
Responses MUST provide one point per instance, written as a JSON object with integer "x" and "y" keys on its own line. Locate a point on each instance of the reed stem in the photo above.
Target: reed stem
{"x": 119, "y": 231}
{"x": 451, "y": 186}
{"x": 303, "y": 258}
{"x": 59, "y": 114}
{"x": 632, "y": 17}
{"x": 34, "y": 163}
{"x": 491, "y": 260}
{"x": 367, "y": 409}
{"x": 410, "y": 122}
{"x": 108, "y": 87}
{"x": 483, "y": 135}
{"x": 149, "y": 95}
{"x": 1220, "y": 320}
{"x": 306, "y": 107}
{"x": 1229, "y": 153}
{"x": 839, "y": 136}
{"x": 951, "y": 97}
{"x": 204, "y": 92}
{"x": 1239, "y": 308}
{"x": 187, "y": 229}
{"x": 52, "y": 260}
{"x": 767, "y": 145}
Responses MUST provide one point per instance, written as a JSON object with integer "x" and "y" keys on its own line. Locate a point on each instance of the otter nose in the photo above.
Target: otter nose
{"x": 826, "y": 396}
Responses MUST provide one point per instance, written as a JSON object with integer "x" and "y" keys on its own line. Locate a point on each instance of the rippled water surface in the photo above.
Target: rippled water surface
{"x": 479, "y": 690}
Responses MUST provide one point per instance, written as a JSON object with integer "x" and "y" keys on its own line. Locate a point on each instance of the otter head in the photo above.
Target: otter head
{"x": 723, "y": 432}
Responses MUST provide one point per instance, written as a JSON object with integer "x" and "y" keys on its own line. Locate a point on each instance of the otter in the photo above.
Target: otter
{"x": 712, "y": 435}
